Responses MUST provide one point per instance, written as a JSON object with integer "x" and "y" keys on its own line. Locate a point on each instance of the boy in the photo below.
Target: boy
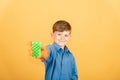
{"x": 59, "y": 61}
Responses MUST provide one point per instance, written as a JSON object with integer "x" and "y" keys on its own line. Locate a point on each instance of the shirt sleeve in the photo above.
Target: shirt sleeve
{"x": 74, "y": 70}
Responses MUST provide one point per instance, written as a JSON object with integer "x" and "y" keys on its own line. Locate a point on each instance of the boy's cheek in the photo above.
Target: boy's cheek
{"x": 67, "y": 39}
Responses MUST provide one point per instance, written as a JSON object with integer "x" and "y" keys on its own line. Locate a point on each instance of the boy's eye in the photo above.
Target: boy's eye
{"x": 66, "y": 35}
{"x": 59, "y": 34}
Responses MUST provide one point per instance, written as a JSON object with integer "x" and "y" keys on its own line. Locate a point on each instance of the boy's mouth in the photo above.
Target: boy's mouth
{"x": 62, "y": 41}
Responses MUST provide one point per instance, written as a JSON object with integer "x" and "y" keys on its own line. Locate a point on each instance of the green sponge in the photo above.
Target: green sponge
{"x": 36, "y": 49}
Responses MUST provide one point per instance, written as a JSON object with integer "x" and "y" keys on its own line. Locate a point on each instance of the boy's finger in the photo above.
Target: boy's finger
{"x": 43, "y": 48}
{"x": 30, "y": 52}
{"x": 29, "y": 43}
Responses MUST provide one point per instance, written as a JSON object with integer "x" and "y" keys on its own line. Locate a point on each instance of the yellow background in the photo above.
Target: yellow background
{"x": 95, "y": 40}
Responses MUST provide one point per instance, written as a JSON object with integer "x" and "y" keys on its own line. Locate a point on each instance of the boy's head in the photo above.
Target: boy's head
{"x": 61, "y": 32}
{"x": 61, "y": 26}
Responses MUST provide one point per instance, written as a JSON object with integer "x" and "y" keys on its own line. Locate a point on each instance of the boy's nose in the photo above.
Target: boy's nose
{"x": 62, "y": 38}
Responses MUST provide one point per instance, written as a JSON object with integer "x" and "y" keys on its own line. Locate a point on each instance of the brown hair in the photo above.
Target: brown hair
{"x": 61, "y": 26}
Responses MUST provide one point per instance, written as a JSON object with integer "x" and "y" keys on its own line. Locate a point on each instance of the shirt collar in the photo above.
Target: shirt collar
{"x": 58, "y": 48}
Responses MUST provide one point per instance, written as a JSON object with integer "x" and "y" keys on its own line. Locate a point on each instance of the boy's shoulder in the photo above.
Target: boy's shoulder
{"x": 48, "y": 46}
{"x": 55, "y": 47}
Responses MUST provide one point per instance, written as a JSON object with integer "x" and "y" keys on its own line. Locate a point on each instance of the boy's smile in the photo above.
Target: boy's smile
{"x": 61, "y": 38}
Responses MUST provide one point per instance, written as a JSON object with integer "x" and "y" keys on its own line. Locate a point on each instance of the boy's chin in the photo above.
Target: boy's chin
{"x": 61, "y": 44}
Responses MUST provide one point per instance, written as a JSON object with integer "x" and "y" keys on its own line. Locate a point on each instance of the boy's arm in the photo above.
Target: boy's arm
{"x": 74, "y": 71}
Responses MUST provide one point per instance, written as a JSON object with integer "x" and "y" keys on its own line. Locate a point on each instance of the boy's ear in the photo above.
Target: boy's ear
{"x": 51, "y": 35}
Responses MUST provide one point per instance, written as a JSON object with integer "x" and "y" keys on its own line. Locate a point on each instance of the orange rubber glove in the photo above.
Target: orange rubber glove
{"x": 44, "y": 51}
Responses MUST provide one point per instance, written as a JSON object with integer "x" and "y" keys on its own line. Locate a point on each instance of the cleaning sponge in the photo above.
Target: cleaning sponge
{"x": 36, "y": 49}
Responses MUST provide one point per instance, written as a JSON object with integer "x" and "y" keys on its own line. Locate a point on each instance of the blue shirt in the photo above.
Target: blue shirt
{"x": 60, "y": 65}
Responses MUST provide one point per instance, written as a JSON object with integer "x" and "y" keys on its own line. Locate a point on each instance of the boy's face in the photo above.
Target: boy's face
{"x": 61, "y": 38}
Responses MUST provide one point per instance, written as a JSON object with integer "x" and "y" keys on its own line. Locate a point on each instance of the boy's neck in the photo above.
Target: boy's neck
{"x": 62, "y": 47}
